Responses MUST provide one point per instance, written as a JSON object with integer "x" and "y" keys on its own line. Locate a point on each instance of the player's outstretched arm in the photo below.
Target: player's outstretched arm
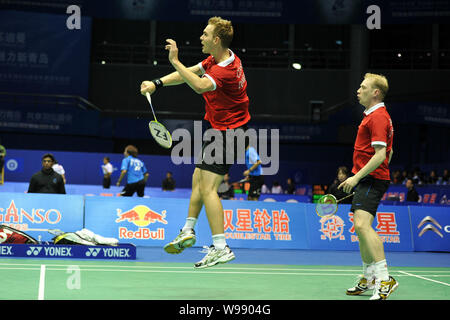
{"x": 172, "y": 79}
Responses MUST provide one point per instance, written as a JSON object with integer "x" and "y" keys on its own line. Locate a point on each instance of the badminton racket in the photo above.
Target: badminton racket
{"x": 157, "y": 129}
{"x": 328, "y": 205}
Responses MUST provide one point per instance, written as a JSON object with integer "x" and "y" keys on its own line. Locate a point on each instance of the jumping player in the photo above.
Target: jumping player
{"x": 221, "y": 80}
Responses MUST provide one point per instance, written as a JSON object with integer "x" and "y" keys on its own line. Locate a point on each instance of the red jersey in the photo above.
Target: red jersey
{"x": 227, "y": 105}
{"x": 375, "y": 129}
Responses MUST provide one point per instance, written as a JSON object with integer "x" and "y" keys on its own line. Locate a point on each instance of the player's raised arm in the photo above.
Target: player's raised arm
{"x": 199, "y": 85}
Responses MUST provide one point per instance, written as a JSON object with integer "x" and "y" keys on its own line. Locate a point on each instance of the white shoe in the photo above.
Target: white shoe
{"x": 361, "y": 286}
{"x": 214, "y": 256}
{"x": 184, "y": 240}
{"x": 383, "y": 289}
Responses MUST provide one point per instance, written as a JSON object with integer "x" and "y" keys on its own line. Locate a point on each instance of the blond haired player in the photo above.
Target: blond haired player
{"x": 371, "y": 157}
{"x": 223, "y": 86}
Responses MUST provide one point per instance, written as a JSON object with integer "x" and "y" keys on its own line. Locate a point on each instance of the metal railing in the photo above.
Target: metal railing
{"x": 46, "y": 99}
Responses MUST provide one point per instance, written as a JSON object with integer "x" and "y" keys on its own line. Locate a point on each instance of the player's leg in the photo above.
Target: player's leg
{"x": 127, "y": 191}
{"x": 209, "y": 183}
{"x": 368, "y": 194}
{"x": 186, "y": 238}
{"x": 219, "y": 252}
{"x": 140, "y": 188}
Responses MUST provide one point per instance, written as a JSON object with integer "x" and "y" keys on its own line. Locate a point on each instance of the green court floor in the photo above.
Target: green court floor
{"x": 100, "y": 280}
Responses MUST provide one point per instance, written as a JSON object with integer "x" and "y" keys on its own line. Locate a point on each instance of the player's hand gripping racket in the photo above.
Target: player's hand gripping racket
{"x": 158, "y": 131}
{"x": 328, "y": 205}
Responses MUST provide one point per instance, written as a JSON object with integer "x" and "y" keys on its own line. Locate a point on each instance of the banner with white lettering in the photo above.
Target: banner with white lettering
{"x": 39, "y": 53}
{"x": 338, "y": 231}
{"x": 156, "y": 221}
{"x": 24, "y": 211}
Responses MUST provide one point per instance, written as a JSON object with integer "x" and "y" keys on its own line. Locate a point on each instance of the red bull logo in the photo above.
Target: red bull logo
{"x": 141, "y": 216}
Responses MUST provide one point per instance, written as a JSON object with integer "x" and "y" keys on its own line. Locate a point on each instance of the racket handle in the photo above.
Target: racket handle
{"x": 348, "y": 196}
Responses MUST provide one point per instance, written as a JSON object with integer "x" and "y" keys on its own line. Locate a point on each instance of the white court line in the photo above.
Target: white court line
{"x": 237, "y": 267}
{"x": 41, "y": 283}
{"x": 420, "y": 277}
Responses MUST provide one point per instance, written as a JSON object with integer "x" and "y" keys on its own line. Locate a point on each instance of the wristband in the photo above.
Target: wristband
{"x": 158, "y": 83}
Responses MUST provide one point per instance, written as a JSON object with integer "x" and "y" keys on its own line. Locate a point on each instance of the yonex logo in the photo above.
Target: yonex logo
{"x": 92, "y": 252}
{"x": 34, "y": 251}
{"x": 429, "y": 226}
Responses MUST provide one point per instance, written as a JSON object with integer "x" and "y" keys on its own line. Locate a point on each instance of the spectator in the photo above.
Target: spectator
{"x": 342, "y": 175}
{"x": 136, "y": 172}
{"x": 2, "y": 158}
{"x": 276, "y": 188}
{"x": 226, "y": 190}
{"x": 397, "y": 177}
{"x": 168, "y": 184}
{"x": 107, "y": 169}
{"x": 47, "y": 180}
{"x": 405, "y": 176}
{"x": 445, "y": 179}
{"x": 290, "y": 188}
{"x": 432, "y": 178}
{"x": 412, "y": 195}
{"x": 417, "y": 176}
{"x": 59, "y": 169}
{"x": 264, "y": 189}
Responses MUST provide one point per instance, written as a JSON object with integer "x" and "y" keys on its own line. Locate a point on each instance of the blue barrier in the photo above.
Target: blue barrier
{"x": 152, "y": 222}
{"x": 430, "y": 228}
{"x": 42, "y": 211}
{"x": 247, "y": 224}
{"x": 338, "y": 232}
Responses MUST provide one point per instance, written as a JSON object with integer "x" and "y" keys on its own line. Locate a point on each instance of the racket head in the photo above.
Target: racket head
{"x": 160, "y": 134}
{"x": 326, "y": 206}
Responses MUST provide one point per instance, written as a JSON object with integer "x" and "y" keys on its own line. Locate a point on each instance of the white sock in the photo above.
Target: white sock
{"x": 368, "y": 269}
{"x": 189, "y": 224}
{"x": 219, "y": 241}
{"x": 381, "y": 270}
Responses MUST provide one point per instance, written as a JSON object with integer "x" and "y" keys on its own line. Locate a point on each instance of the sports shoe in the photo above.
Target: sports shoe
{"x": 184, "y": 240}
{"x": 383, "y": 289}
{"x": 361, "y": 287}
{"x": 214, "y": 256}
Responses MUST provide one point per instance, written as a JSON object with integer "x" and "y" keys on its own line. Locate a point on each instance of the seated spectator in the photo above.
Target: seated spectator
{"x": 264, "y": 189}
{"x": 290, "y": 188}
{"x": 276, "y": 188}
{"x": 405, "y": 176}
{"x": 445, "y": 178}
{"x": 432, "y": 178}
{"x": 417, "y": 176}
{"x": 396, "y": 177}
{"x": 342, "y": 175}
{"x": 226, "y": 189}
{"x": 412, "y": 195}
{"x": 47, "y": 180}
{"x": 168, "y": 184}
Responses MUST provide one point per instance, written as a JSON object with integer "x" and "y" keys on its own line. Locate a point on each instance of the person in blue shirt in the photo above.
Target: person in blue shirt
{"x": 135, "y": 171}
{"x": 254, "y": 173}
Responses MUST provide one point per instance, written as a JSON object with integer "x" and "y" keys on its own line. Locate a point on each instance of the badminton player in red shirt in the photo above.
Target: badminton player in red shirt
{"x": 371, "y": 157}
{"x": 221, "y": 80}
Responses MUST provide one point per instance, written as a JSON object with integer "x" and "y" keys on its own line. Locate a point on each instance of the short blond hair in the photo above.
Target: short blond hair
{"x": 379, "y": 82}
{"x": 222, "y": 29}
